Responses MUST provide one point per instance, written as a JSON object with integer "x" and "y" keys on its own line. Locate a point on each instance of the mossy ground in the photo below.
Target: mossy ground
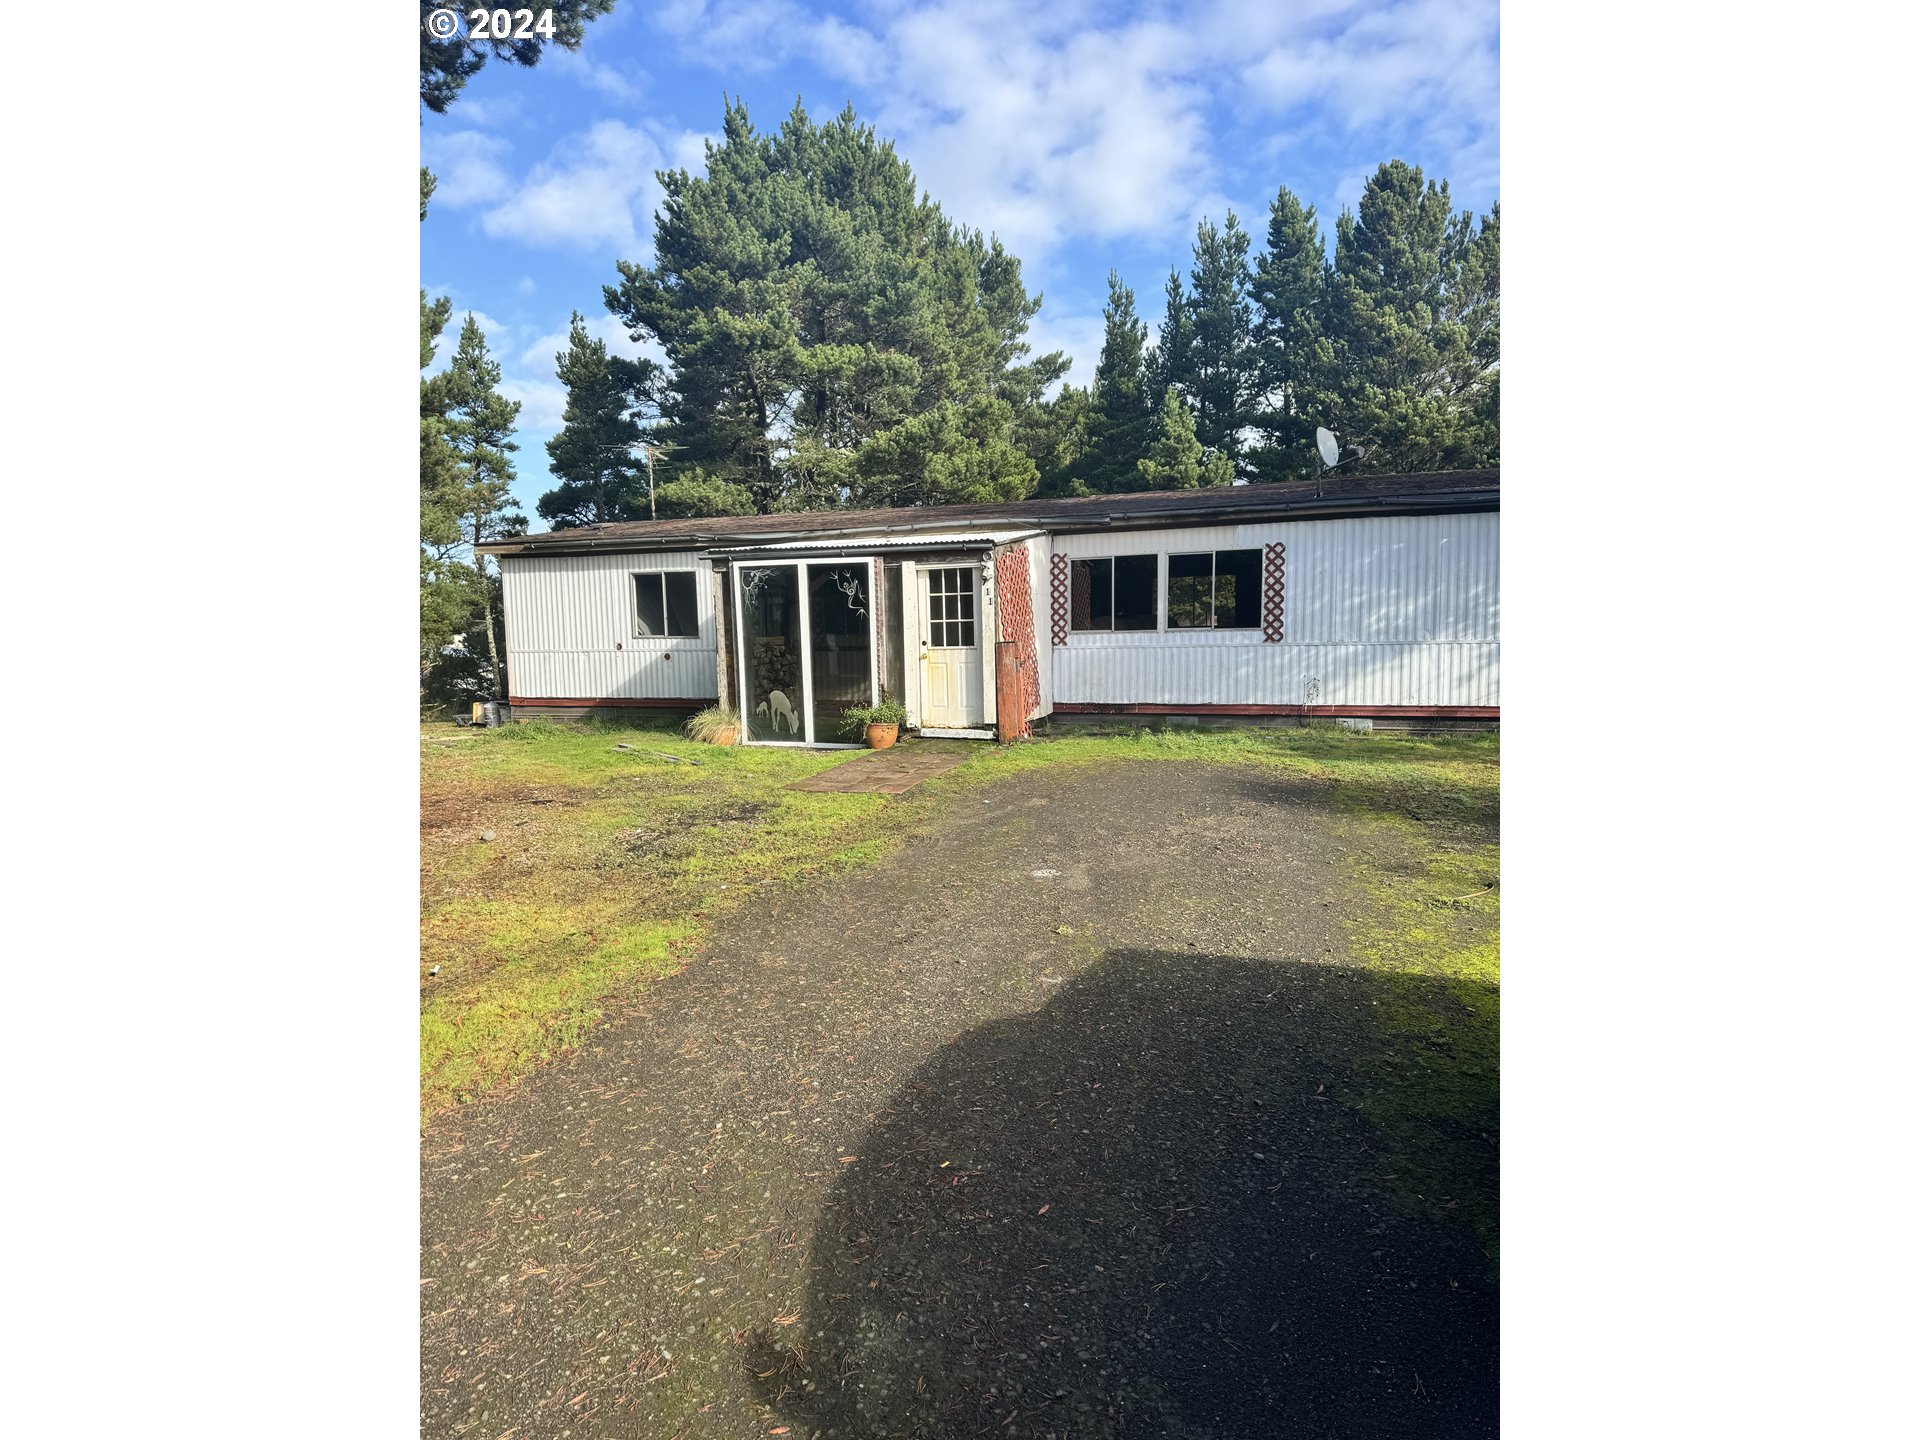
{"x": 607, "y": 865}
{"x": 603, "y": 868}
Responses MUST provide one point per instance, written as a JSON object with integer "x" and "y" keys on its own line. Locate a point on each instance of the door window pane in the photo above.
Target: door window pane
{"x": 950, "y": 609}
{"x": 839, "y": 599}
{"x": 770, "y": 645}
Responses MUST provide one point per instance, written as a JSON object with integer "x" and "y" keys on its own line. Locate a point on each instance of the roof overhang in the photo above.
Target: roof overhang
{"x": 1307, "y": 508}
{"x": 930, "y": 534}
{"x": 930, "y": 541}
{"x": 1302, "y": 503}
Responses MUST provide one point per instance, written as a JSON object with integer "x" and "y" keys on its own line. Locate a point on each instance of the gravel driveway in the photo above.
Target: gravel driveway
{"x": 1040, "y": 1128}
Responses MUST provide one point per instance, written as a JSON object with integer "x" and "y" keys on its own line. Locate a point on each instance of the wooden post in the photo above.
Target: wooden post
{"x": 723, "y": 633}
{"x": 1008, "y": 692}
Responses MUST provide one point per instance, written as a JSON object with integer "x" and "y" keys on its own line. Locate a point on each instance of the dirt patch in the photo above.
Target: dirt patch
{"x": 445, "y": 814}
{"x": 1040, "y": 1127}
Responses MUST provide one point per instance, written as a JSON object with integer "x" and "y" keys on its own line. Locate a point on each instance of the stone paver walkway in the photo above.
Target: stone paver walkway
{"x": 889, "y": 772}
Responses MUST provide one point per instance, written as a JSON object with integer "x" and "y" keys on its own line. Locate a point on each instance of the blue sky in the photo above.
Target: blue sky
{"x": 1087, "y": 136}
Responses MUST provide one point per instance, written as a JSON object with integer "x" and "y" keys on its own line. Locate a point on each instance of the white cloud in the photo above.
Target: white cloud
{"x": 612, "y": 81}
{"x": 1050, "y": 123}
{"x": 1079, "y": 335}
{"x": 469, "y": 167}
{"x": 494, "y": 112}
{"x": 1025, "y": 125}
{"x": 543, "y": 406}
{"x": 846, "y": 50}
{"x": 1420, "y": 79}
{"x": 752, "y": 35}
{"x": 597, "y": 189}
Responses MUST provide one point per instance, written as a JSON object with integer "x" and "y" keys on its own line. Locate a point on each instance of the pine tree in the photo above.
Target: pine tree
{"x": 1176, "y": 460}
{"x": 1471, "y": 310}
{"x": 693, "y": 493}
{"x": 1291, "y": 353}
{"x": 1220, "y": 380}
{"x": 447, "y": 65}
{"x": 831, "y": 335}
{"x": 1414, "y": 328}
{"x": 446, "y": 589}
{"x": 439, "y": 478}
{"x": 480, "y": 424}
{"x": 1120, "y": 421}
{"x": 1054, "y": 433}
{"x": 602, "y": 477}
{"x": 1169, "y": 365}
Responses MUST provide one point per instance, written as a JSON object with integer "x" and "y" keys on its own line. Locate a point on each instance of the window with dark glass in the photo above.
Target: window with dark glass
{"x": 1122, "y": 593}
{"x": 668, "y": 604}
{"x": 1236, "y": 589}
{"x": 1214, "y": 590}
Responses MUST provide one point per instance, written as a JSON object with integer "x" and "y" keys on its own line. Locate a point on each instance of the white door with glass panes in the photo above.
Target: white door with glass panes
{"x": 951, "y": 692}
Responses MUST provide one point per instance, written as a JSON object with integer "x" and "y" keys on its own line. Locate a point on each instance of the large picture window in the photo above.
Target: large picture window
{"x": 1122, "y": 593}
{"x": 1214, "y": 590}
{"x": 667, "y": 604}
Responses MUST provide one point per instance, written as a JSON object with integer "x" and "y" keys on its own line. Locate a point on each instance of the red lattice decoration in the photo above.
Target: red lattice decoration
{"x": 1060, "y": 587}
{"x": 1273, "y": 591}
{"x": 1014, "y": 596}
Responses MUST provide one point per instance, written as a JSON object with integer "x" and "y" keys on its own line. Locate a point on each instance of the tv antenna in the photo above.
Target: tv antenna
{"x": 647, "y": 451}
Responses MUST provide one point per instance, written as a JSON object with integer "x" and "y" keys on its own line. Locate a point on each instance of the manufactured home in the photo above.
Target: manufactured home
{"x": 1372, "y": 598}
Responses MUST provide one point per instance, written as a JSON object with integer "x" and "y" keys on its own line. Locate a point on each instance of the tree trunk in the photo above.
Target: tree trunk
{"x": 493, "y": 649}
{"x": 495, "y": 674}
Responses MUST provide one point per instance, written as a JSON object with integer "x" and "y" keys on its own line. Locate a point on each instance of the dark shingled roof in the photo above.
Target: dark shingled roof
{"x": 1441, "y": 491}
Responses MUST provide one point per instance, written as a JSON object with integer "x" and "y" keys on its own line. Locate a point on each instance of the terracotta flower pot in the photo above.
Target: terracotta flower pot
{"x": 879, "y": 737}
{"x": 728, "y": 736}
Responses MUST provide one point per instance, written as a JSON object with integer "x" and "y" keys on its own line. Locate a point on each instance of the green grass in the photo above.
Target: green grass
{"x": 1433, "y": 928}
{"x": 604, "y": 867}
{"x": 607, "y": 867}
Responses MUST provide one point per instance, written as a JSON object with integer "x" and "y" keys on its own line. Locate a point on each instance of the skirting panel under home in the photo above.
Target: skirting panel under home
{"x": 526, "y": 708}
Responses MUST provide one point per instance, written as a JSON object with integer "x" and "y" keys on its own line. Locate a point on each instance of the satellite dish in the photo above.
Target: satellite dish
{"x": 1329, "y": 446}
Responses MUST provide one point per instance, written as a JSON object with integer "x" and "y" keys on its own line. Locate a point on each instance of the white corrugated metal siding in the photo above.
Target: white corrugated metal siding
{"x": 570, "y": 630}
{"x": 1393, "y": 610}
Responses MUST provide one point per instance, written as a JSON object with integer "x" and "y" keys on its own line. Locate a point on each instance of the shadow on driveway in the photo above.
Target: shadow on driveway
{"x": 1148, "y": 1208}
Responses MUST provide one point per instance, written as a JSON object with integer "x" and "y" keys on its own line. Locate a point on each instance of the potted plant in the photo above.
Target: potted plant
{"x": 717, "y": 725}
{"x": 881, "y": 723}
